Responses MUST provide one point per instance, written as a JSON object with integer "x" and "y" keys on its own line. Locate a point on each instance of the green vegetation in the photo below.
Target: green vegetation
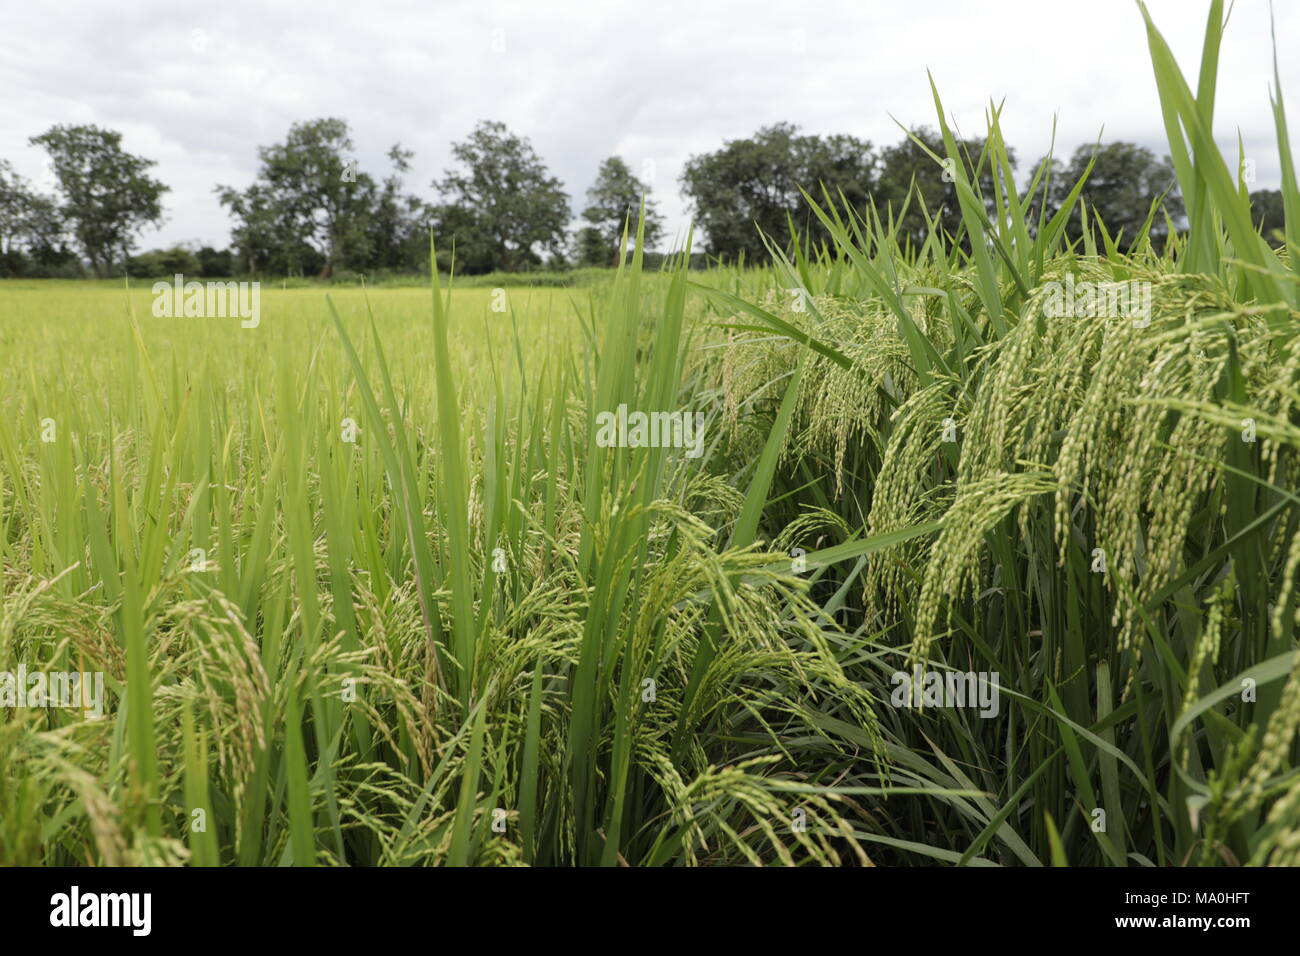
{"x": 311, "y": 211}
{"x": 367, "y": 589}
{"x": 614, "y": 200}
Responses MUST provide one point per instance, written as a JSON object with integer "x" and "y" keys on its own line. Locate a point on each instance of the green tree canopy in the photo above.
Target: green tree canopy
{"x": 304, "y": 211}
{"x": 754, "y": 184}
{"x": 27, "y": 219}
{"x": 615, "y": 199}
{"x": 107, "y": 196}
{"x": 1125, "y": 180}
{"x": 312, "y": 209}
{"x": 33, "y": 233}
{"x": 501, "y": 207}
{"x": 1267, "y": 208}
{"x": 396, "y": 227}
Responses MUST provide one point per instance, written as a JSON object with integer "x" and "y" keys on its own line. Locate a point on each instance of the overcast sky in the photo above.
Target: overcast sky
{"x": 198, "y": 86}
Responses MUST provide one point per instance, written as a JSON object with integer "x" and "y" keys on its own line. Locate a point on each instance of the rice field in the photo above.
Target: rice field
{"x": 988, "y": 557}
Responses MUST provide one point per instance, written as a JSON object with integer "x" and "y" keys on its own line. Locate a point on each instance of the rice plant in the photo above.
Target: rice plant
{"x": 367, "y": 586}
{"x": 1113, "y": 493}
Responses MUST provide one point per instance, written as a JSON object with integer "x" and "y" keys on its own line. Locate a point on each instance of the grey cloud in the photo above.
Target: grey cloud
{"x": 649, "y": 82}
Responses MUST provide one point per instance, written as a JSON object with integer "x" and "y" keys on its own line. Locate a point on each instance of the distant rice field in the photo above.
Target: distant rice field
{"x": 83, "y": 325}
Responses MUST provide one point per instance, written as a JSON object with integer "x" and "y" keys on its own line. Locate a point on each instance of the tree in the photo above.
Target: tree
{"x": 157, "y": 263}
{"x": 502, "y": 206}
{"x": 396, "y": 224}
{"x": 108, "y": 198}
{"x": 613, "y": 200}
{"x": 912, "y": 185}
{"x": 311, "y": 209}
{"x": 265, "y": 237}
{"x": 1269, "y": 213}
{"x": 33, "y": 234}
{"x": 754, "y": 184}
{"x": 14, "y": 198}
{"x": 1125, "y": 180}
{"x": 215, "y": 263}
{"x": 307, "y": 205}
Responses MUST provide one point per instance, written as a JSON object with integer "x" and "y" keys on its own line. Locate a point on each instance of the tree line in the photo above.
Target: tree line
{"x": 311, "y": 211}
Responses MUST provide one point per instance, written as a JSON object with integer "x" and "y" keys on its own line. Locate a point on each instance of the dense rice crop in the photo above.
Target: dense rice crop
{"x": 367, "y": 587}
